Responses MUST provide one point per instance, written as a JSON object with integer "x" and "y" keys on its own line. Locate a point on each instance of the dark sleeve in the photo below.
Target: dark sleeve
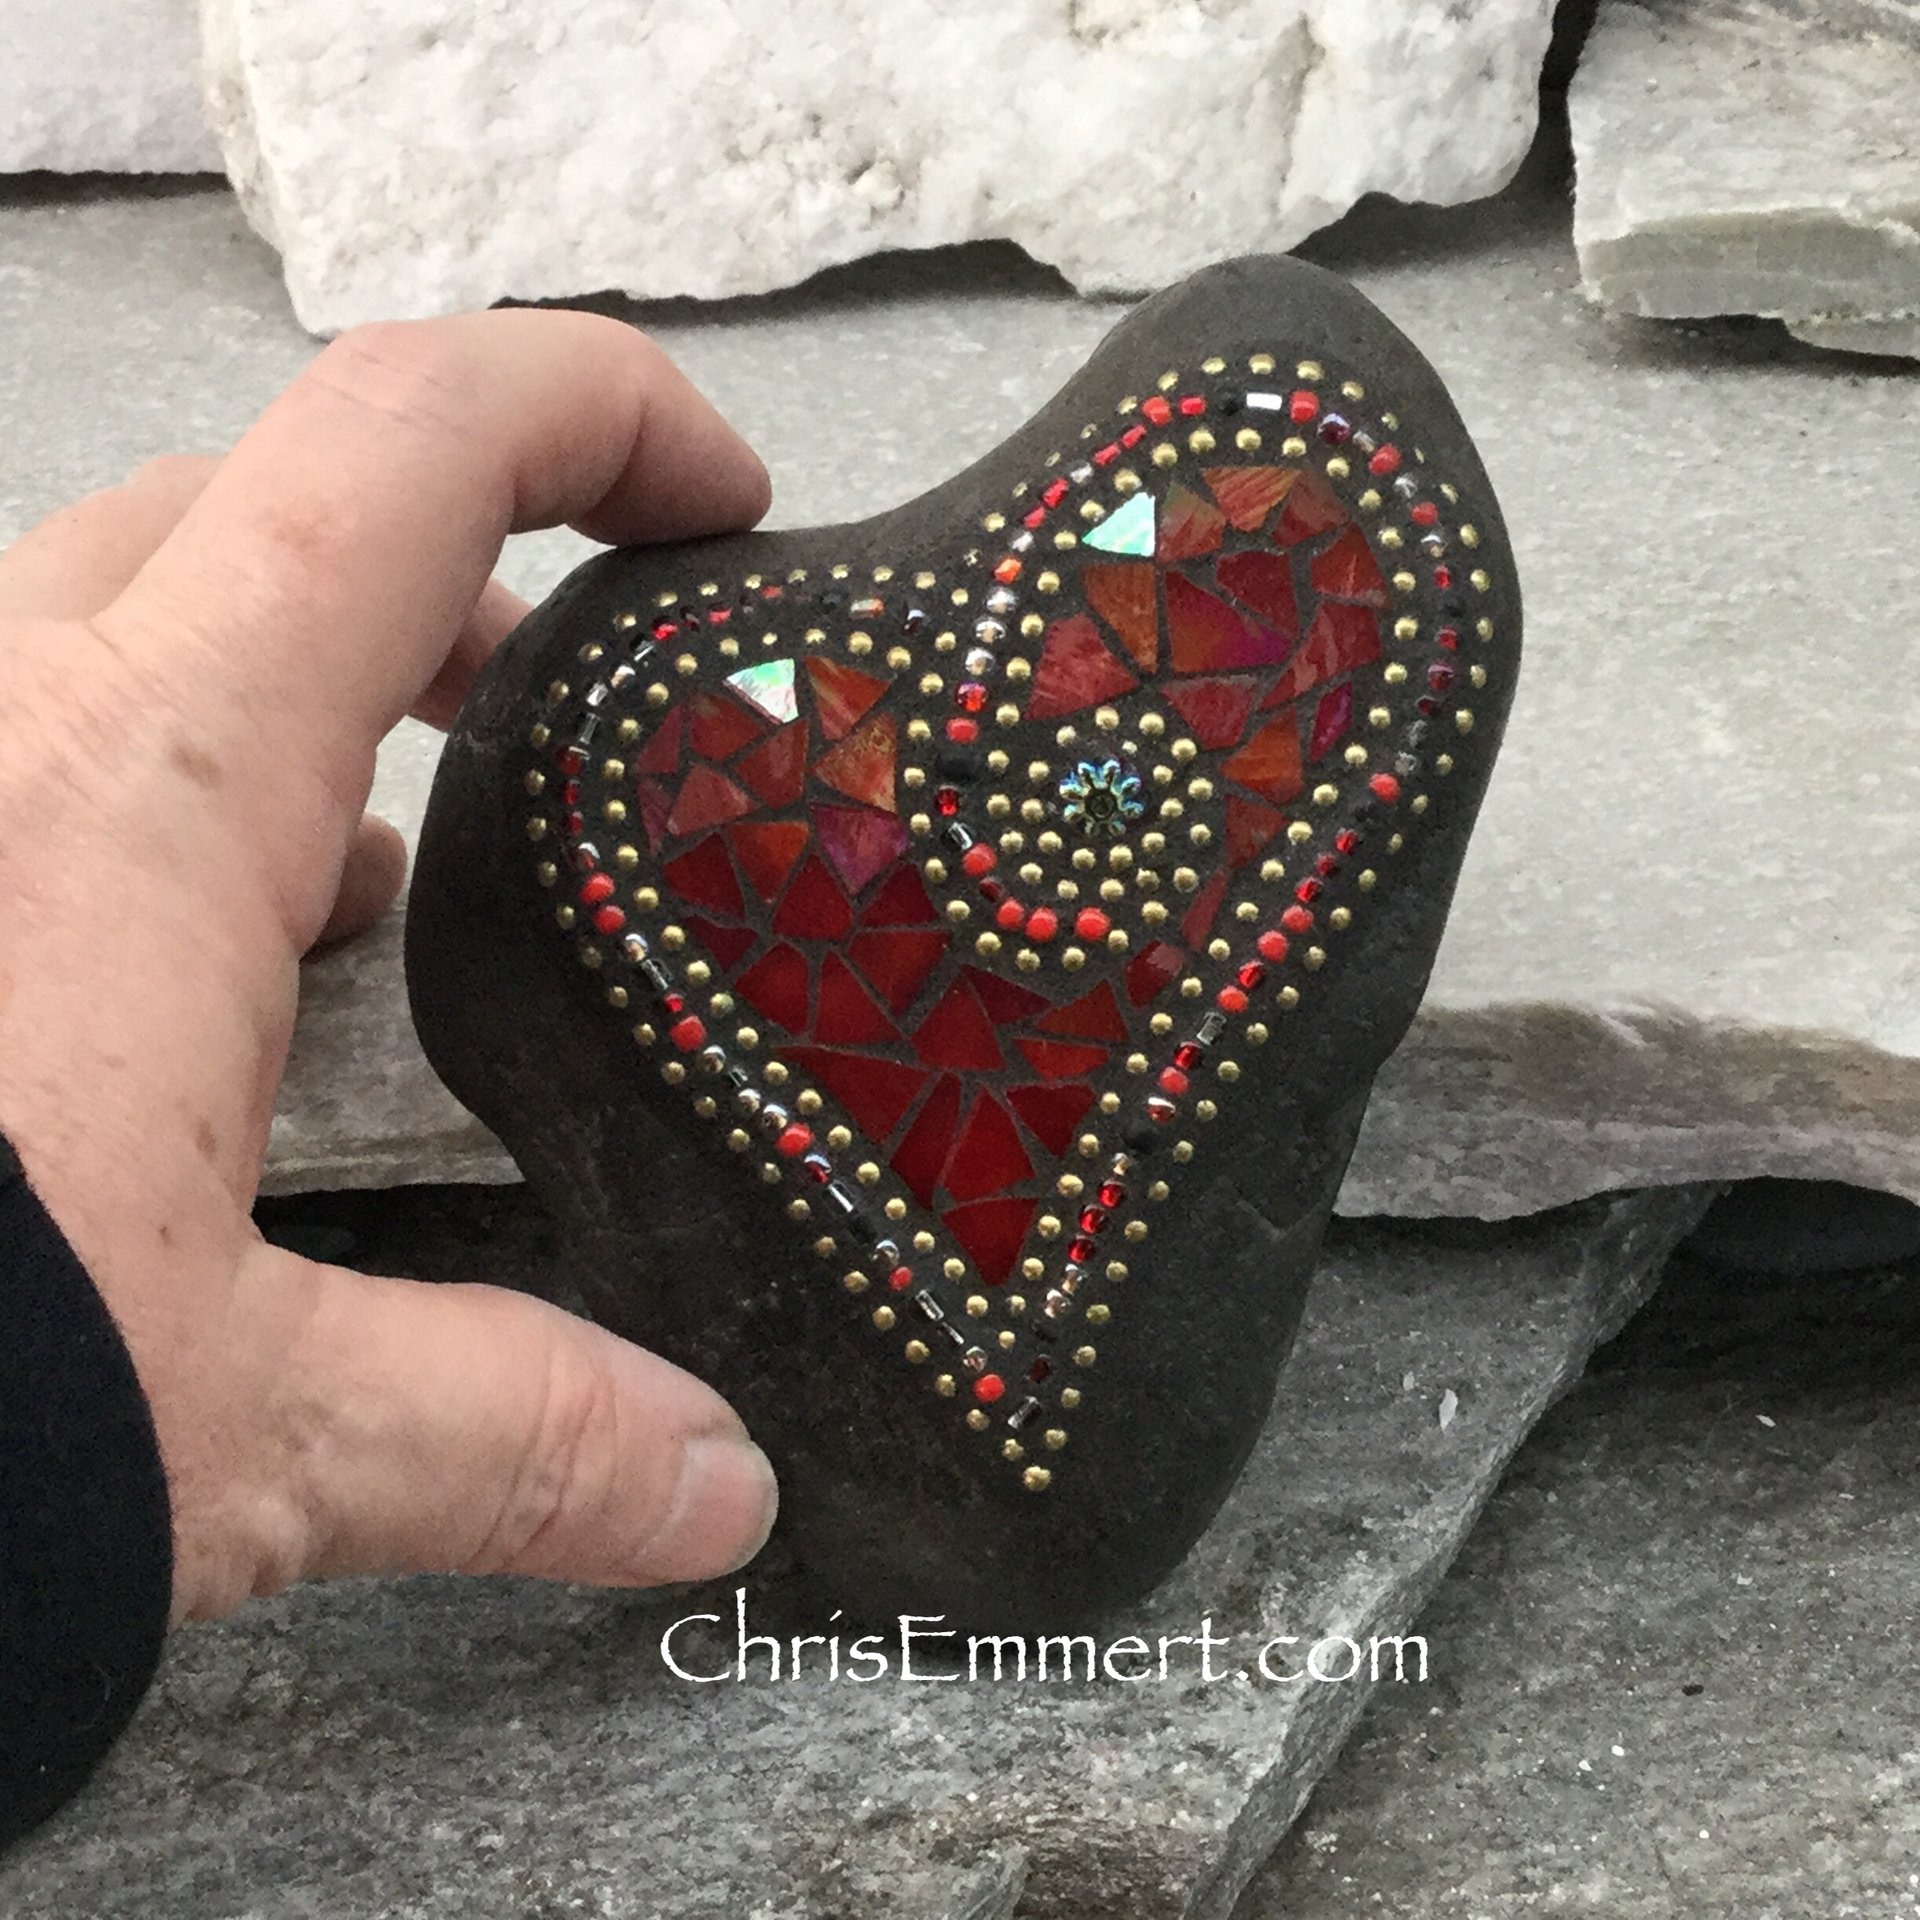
{"x": 86, "y": 1549}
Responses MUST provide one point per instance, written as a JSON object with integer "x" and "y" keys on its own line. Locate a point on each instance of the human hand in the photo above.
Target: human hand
{"x": 195, "y": 672}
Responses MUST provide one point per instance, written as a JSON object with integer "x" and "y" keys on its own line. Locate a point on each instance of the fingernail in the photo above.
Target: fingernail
{"x": 728, "y": 1500}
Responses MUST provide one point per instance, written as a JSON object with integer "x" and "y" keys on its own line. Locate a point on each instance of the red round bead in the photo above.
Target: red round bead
{"x": 1272, "y": 945}
{"x": 687, "y": 1034}
{"x": 1424, "y": 514}
{"x": 978, "y": 859}
{"x": 1385, "y": 787}
{"x": 1297, "y": 920}
{"x": 1386, "y": 461}
{"x": 793, "y": 1139}
{"x": 1303, "y": 406}
{"x": 608, "y": 919}
{"x": 1090, "y": 924}
{"x": 1010, "y": 914}
{"x": 1172, "y": 1081}
{"x": 595, "y": 889}
{"x": 963, "y": 730}
{"x": 900, "y": 1279}
{"x": 1042, "y": 924}
{"x": 1230, "y": 1000}
{"x": 988, "y": 1388}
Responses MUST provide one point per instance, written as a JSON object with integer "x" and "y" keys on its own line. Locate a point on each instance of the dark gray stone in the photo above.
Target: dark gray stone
{"x": 991, "y": 1422}
{"x": 1673, "y": 1664}
{"x": 446, "y": 1750}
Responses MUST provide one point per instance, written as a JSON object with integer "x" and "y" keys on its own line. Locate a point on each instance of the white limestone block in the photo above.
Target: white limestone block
{"x": 411, "y": 157}
{"x": 102, "y": 86}
{"x": 1754, "y": 156}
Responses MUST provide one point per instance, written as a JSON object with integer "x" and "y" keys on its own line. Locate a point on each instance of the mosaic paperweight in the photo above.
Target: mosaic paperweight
{"x": 934, "y": 967}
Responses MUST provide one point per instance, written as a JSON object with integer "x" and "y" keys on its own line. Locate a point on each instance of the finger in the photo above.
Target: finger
{"x": 318, "y": 584}
{"x": 370, "y": 881}
{"x": 79, "y": 560}
{"x": 444, "y": 1428}
{"x": 495, "y": 615}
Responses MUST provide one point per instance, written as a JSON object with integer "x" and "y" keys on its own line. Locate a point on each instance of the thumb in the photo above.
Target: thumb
{"x": 467, "y": 1428}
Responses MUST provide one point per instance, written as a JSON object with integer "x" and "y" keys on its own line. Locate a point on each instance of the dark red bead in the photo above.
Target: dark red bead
{"x": 1092, "y": 1219}
{"x": 947, "y": 802}
{"x": 1188, "y": 1055}
{"x": 1081, "y": 1249}
{"x": 1111, "y": 1193}
{"x": 1251, "y": 975}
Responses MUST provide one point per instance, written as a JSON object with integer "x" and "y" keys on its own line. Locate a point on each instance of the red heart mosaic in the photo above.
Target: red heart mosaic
{"x": 961, "y": 901}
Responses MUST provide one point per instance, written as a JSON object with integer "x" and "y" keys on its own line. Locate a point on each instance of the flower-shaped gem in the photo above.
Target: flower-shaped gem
{"x": 1103, "y": 798}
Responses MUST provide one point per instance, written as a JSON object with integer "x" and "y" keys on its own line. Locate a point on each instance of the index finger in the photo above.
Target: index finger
{"x": 315, "y": 587}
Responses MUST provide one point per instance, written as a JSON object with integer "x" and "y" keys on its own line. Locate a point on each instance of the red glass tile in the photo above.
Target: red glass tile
{"x": 1312, "y": 509}
{"x": 991, "y": 1233}
{"x": 1095, "y": 1015}
{"x": 814, "y": 906}
{"x": 923, "y": 1152}
{"x": 861, "y": 766}
{"x": 1270, "y": 761}
{"x": 1250, "y": 825}
{"x": 1204, "y": 634}
{"x": 1005, "y": 1003}
{"x": 1215, "y": 710}
{"x": 873, "y": 1093}
{"x": 656, "y": 802}
{"x": 765, "y": 851}
{"x": 1052, "y": 1114}
{"x": 1189, "y": 526}
{"x": 1331, "y": 719}
{"x": 859, "y": 842}
{"x": 988, "y": 1157}
{"x": 898, "y": 965}
{"x": 1155, "y": 967}
{"x": 661, "y": 754}
{"x": 704, "y": 875}
{"x": 957, "y": 1033}
{"x": 847, "y": 1014}
{"x": 776, "y": 769}
{"x": 776, "y": 985}
{"x": 727, "y": 944}
{"x": 1347, "y": 570}
{"x": 1122, "y": 595}
{"x": 1062, "y": 1059}
{"x": 1197, "y": 922}
{"x": 902, "y": 902}
{"x": 1075, "y": 670}
{"x": 706, "y": 798}
{"x": 717, "y": 728}
{"x": 1264, "y": 582}
{"x": 1340, "y": 638}
{"x": 1248, "y": 494}
{"x": 841, "y": 695}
